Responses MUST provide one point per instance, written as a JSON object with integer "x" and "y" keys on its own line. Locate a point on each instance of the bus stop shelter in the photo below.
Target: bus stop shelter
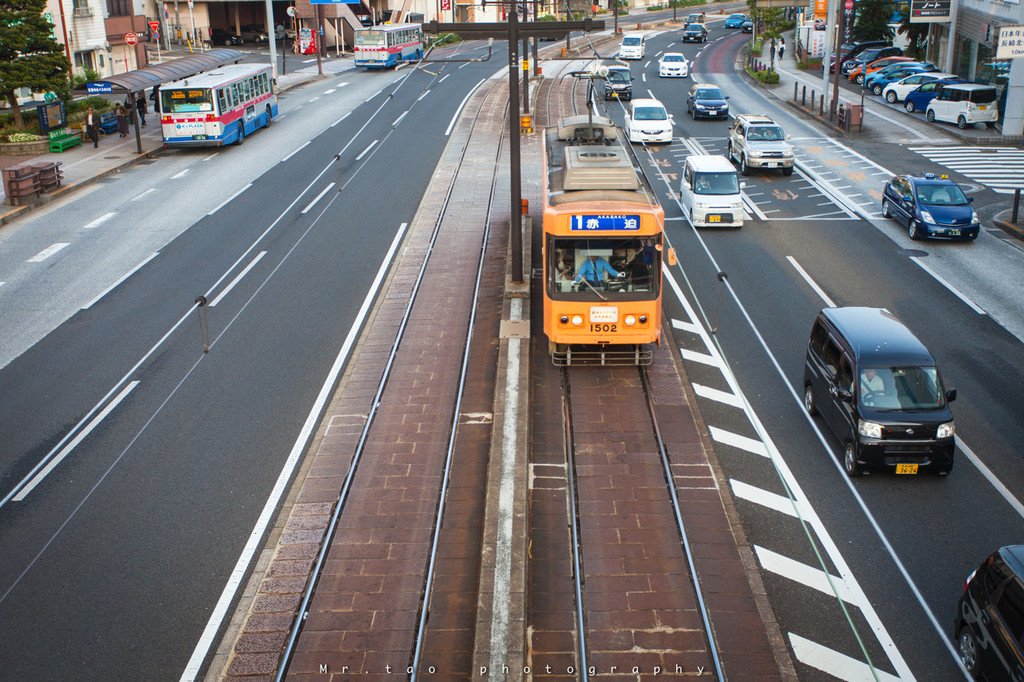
{"x": 131, "y": 83}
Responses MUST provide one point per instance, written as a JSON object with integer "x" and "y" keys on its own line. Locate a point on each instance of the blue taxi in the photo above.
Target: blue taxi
{"x": 930, "y": 206}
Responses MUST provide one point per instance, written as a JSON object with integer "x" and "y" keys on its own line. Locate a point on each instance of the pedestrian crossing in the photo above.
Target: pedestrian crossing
{"x": 998, "y": 168}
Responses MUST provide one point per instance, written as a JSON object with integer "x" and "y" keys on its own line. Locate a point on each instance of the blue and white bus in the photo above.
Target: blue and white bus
{"x": 385, "y": 46}
{"x": 217, "y": 107}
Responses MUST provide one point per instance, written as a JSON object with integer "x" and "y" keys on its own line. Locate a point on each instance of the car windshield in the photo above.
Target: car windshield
{"x": 694, "y": 17}
{"x": 716, "y": 183}
{"x": 901, "y": 388}
{"x": 765, "y": 133}
{"x": 940, "y": 195}
{"x": 618, "y": 76}
{"x": 673, "y": 58}
{"x": 709, "y": 93}
{"x": 694, "y": 28}
{"x": 631, "y": 41}
{"x": 738, "y": 16}
{"x": 650, "y": 114}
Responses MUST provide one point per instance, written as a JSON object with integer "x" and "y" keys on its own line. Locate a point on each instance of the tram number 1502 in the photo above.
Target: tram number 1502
{"x": 604, "y": 327}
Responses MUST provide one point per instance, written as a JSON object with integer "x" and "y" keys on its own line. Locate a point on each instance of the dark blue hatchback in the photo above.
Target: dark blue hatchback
{"x": 930, "y": 206}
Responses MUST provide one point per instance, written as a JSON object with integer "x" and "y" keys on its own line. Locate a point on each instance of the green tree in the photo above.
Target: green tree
{"x": 30, "y": 57}
{"x": 873, "y": 20}
{"x": 917, "y": 36}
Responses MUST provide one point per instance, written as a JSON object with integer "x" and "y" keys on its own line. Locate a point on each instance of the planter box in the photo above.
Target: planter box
{"x": 34, "y": 148}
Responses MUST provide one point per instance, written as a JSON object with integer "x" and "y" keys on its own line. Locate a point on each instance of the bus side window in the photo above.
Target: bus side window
{"x": 222, "y": 100}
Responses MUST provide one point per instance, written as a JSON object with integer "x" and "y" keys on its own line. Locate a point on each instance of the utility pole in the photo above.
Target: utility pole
{"x": 513, "y": 32}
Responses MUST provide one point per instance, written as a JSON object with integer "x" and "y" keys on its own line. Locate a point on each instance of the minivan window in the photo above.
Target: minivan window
{"x": 818, "y": 336}
{"x": 986, "y": 96}
{"x": 901, "y": 388}
{"x": 831, "y": 357}
{"x": 844, "y": 379}
{"x": 630, "y": 41}
{"x": 1011, "y": 609}
{"x": 717, "y": 183}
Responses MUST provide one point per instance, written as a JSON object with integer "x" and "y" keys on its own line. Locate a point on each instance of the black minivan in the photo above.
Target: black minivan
{"x": 879, "y": 390}
{"x": 989, "y": 624}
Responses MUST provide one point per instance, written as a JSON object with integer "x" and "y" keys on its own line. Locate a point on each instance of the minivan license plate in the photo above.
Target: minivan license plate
{"x": 714, "y": 218}
{"x": 906, "y": 468}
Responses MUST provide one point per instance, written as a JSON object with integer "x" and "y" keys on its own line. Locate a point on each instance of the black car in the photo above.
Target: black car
{"x": 707, "y": 101}
{"x": 695, "y": 33}
{"x": 220, "y": 36}
{"x": 930, "y": 206}
{"x": 989, "y": 624}
{"x": 848, "y": 51}
{"x": 880, "y": 391}
{"x": 748, "y": 26}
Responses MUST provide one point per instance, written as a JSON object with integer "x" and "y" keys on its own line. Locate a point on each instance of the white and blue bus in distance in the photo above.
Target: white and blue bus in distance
{"x": 387, "y": 45}
{"x": 217, "y": 107}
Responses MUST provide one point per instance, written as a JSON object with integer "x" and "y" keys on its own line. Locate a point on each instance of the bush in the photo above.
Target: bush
{"x": 766, "y": 76}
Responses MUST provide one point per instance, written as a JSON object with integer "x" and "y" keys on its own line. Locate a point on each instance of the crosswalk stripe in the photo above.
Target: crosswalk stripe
{"x": 1001, "y": 169}
{"x": 805, "y": 575}
{"x": 834, "y": 663}
{"x": 737, "y": 441}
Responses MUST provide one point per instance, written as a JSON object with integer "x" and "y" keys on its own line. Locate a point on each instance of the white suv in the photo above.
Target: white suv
{"x": 756, "y": 141}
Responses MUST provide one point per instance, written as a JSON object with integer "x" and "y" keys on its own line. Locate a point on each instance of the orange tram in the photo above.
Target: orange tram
{"x": 602, "y": 248}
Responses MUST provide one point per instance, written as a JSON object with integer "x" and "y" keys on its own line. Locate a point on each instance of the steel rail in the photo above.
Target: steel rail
{"x": 332, "y": 527}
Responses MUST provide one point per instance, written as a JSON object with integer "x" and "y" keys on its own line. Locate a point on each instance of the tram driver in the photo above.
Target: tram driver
{"x": 594, "y": 269}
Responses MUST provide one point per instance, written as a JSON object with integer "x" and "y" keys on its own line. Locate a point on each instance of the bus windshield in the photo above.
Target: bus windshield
{"x": 186, "y": 101}
{"x": 374, "y": 38}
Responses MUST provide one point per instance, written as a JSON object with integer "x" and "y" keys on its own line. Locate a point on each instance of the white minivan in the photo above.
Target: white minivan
{"x": 647, "y": 120}
{"x": 632, "y": 46}
{"x": 964, "y": 104}
{"x": 710, "y": 192}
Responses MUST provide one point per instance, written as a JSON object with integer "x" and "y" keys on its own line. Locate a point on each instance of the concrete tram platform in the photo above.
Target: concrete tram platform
{"x": 363, "y": 611}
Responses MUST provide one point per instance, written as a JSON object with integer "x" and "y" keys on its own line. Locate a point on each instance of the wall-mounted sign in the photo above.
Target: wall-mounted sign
{"x": 98, "y": 88}
{"x": 927, "y": 11}
{"x": 1011, "y": 42}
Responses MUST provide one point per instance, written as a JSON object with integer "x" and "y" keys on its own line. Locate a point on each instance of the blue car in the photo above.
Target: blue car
{"x": 917, "y": 100}
{"x": 930, "y": 206}
{"x": 735, "y": 20}
{"x": 876, "y": 82}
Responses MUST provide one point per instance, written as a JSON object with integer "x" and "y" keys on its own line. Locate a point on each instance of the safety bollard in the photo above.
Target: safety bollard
{"x": 803, "y": 97}
{"x": 1016, "y": 204}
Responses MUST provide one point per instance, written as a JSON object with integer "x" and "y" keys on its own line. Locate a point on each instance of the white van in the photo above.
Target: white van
{"x": 632, "y": 46}
{"x": 710, "y": 192}
{"x": 964, "y": 104}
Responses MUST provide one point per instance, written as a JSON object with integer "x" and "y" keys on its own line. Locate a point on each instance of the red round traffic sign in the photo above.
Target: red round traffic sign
{"x": 131, "y": 38}
{"x": 849, "y": 4}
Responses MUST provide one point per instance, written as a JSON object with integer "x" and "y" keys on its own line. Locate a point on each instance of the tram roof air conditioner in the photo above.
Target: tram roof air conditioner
{"x": 598, "y": 168}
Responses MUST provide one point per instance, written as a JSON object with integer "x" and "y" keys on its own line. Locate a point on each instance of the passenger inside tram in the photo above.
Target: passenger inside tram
{"x": 609, "y": 265}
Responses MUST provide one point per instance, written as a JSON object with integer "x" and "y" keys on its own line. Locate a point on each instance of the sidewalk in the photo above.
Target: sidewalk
{"x": 85, "y": 164}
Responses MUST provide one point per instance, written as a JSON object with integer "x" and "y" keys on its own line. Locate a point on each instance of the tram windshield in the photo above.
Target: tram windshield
{"x": 605, "y": 265}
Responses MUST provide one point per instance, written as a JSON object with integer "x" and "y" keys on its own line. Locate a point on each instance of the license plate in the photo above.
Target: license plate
{"x": 771, "y": 164}
{"x": 983, "y": 107}
{"x": 714, "y": 218}
{"x": 906, "y": 468}
{"x": 200, "y": 137}
{"x": 953, "y": 233}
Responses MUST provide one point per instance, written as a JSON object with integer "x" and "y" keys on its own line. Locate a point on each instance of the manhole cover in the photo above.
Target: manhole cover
{"x": 912, "y": 253}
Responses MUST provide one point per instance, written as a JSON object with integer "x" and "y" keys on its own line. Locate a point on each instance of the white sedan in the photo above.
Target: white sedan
{"x": 647, "y": 120}
{"x": 673, "y": 64}
{"x": 897, "y": 92}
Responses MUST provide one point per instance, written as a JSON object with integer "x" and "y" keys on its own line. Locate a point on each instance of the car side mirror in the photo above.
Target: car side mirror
{"x": 727, "y": 96}
{"x": 789, "y": 137}
{"x": 970, "y": 200}
{"x": 844, "y": 395}
{"x": 742, "y": 185}
{"x": 950, "y": 395}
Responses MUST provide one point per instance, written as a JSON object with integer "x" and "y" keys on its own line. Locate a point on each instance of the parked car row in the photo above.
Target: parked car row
{"x": 251, "y": 33}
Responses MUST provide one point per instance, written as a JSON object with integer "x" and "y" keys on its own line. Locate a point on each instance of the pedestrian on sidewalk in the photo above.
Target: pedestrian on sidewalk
{"x": 92, "y": 130}
{"x": 782, "y": 47}
{"x": 140, "y": 104}
{"x": 122, "y": 120}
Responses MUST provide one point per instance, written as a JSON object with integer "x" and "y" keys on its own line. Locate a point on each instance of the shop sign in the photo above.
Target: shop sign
{"x": 1011, "y": 42}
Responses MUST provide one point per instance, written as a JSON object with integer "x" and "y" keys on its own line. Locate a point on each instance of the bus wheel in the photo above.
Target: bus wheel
{"x": 241, "y": 134}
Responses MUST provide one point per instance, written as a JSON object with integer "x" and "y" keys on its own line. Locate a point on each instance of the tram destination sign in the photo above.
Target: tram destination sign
{"x": 609, "y": 222}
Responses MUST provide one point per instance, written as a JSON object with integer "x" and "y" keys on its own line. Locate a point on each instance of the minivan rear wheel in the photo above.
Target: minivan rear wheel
{"x": 809, "y": 405}
{"x": 961, "y": 122}
{"x": 967, "y": 648}
{"x": 850, "y": 463}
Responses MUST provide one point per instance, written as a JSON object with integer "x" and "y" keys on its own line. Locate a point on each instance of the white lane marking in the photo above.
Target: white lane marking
{"x": 318, "y": 197}
{"x": 121, "y": 279}
{"x": 752, "y": 206}
{"x": 144, "y": 194}
{"x": 987, "y": 473}
{"x": 339, "y": 120}
{"x": 814, "y": 285}
{"x": 180, "y": 174}
{"x": 443, "y": 79}
{"x": 836, "y": 664}
{"x": 75, "y": 441}
{"x": 313, "y": 100}
{"x": 99, "y": 221}
{"x": 702, "y": 358}
{"x": 296, "y": 150}
{"x": 301, "y": 443}
{"x": 211, "y": 156}
{"x": 365, "y": 151}
{"x": 956, "y": 292}
{"x": 809, "y": 576}
{"x": 425, "y": 93}
{"x": 230, "y": 199}
{"x": 716, "y": 395}
{"x": 2, "y": 283}
{"x": 763, "y": 497}
{"x": 399, "y": 119}
{"x": 458, "y": 109}
{"x": 332, "y": 90}
{"x": 686, "y": 326}
{"x": 238, "y": 278}
{"x": 751, "y": 445}
{"x": 47, "y": 252}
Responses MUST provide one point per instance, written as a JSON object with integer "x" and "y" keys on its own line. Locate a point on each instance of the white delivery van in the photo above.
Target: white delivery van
{"x": 632, "y": 46}
{"x": 710, "y": 192}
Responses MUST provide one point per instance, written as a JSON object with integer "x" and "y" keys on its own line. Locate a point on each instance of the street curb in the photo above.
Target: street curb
{"x": 1012, "y": 229}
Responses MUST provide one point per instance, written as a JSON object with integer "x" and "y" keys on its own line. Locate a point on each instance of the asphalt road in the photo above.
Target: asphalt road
{"x": 115, "y": 558}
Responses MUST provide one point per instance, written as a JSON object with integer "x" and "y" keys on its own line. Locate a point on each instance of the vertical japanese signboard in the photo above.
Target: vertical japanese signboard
{"x": 849, "y": 14}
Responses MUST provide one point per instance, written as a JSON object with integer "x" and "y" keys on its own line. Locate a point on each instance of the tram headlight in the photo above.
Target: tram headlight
{"x": 577, "y": 320}
{"x": 564, "y": 319}
{"x": 630, "y": 320}
{"x": 643, "y": 319}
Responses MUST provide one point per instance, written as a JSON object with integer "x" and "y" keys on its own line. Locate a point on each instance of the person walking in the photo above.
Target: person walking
{"x": 782, "y": 47}
{"x": 122, "y": 120}
{"x": 140, "y": 104}
{"x": 92, "y": 130}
